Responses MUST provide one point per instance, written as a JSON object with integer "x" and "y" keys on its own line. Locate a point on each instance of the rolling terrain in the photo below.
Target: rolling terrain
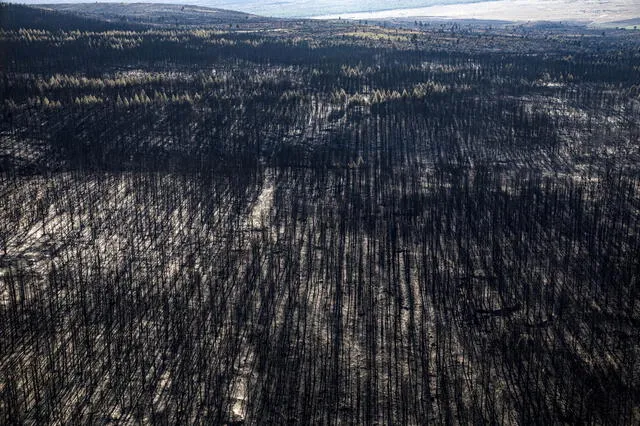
{"x": 597, "y": 11}
{"x": 286, "y": 8}
{"x": 156, "y": 13}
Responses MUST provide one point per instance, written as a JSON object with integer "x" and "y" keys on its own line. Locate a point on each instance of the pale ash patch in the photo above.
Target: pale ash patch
{"x": 241, "y": 385}
{"x": 262, "y": 207}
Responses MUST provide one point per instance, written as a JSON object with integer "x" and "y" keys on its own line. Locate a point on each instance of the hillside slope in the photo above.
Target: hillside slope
{"x": 155, "y": 14}
{"x": 14, "y": 16}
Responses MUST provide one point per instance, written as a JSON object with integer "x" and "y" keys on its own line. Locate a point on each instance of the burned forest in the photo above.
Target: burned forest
{"x": 237, "y": 219}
